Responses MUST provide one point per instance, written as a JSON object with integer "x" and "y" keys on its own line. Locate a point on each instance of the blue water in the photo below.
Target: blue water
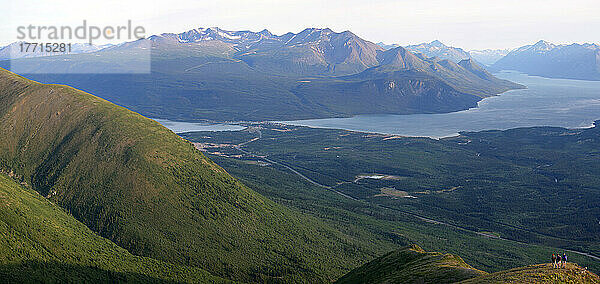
{"x": 545, "y": 102}
{"x": 182, "y": 127}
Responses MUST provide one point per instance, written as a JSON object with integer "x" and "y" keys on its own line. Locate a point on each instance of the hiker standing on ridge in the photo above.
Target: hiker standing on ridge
{"x": 553, "y": 260}
{"x": 564, "y": 260}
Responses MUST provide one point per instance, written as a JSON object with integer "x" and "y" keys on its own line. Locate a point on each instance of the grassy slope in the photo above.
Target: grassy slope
{"x": 40, "y": 242}
{"x": 541, "y": 273}
{"x": 140, "y": 185}
{"x": 412, "y": 265}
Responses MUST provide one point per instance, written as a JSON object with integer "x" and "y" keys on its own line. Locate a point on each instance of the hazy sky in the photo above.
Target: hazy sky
{"x": 470, "y": 24}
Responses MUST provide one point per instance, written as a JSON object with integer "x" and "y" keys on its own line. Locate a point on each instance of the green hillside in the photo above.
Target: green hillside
{"x": 412, "y": 265}
{"x": 138, "y": 184}
{"x": 541, "y": 273}
{"x": 40, "y": 242}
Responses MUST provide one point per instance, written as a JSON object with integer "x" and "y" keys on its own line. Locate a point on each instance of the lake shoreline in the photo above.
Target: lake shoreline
{"x": 546, "y": 102}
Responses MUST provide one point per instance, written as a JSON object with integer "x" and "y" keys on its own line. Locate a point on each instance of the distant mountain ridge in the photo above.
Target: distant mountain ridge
{"x": 436, "y": 49}
{"x": 310, "y": 51}
{"x": 488, "y": 56}
{"x": 388, "y": 46}
{"x": 574, "y": 61}
{"x": 440, "y": 50}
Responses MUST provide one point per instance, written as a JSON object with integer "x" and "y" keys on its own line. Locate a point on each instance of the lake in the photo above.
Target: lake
{"x": 182, "y": 127}
{"x": 545, "y": 102}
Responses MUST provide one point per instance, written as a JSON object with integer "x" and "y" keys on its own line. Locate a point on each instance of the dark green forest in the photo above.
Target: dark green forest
{"x": 524, "y": 185}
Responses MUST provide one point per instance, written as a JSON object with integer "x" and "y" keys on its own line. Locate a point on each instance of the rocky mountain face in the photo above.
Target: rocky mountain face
{"x": 310, "y": 51}
{"x": 466, "y": 76}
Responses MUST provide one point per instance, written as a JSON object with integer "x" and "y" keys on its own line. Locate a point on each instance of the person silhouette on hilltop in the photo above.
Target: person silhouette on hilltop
{"x": 553, "y": 260}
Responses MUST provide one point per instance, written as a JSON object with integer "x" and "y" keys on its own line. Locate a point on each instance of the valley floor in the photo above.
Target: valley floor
{"x": 396, "y": 177}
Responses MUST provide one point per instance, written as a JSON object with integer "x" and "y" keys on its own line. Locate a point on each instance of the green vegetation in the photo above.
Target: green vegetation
{"x": 412, "y": 265}
{"x": 386, "y": 229}
{"x": 529, "y": 184}
{"x": 447, "y": 177}
{"x": 40, "y": 242}
{"x": 138, "y": 184}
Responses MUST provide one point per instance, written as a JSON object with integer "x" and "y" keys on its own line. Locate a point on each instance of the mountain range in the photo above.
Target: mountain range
{"x": 311, "y": 51}
{"x": 455, "y": 54}
{"x": 488, "y": 56}
{"x": 241, "y": 75}
{"x": 323, "y": 52}
{"x": 574, "y": 61}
